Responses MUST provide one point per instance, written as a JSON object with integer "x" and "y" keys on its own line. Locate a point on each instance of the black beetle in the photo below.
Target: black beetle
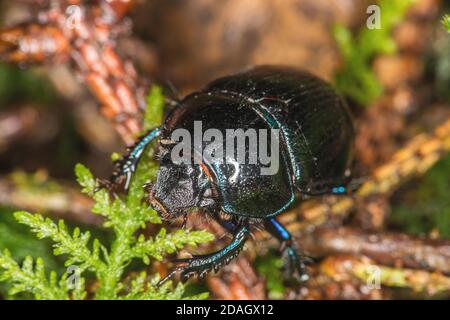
{"x": 315, "y": 149}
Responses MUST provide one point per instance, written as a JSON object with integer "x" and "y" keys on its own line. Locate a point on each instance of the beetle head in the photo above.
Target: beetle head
{"x": 179, "y": 188}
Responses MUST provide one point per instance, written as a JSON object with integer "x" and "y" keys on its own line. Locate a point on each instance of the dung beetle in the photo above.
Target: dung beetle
{"x": 315, "y": 140}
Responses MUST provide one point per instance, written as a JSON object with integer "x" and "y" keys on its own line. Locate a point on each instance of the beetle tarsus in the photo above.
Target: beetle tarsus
{"x": 167, "y": 278}
{"x": 295, "y": 263}
{"x": 123, "y": 171}
{"x": 126, "y": 166}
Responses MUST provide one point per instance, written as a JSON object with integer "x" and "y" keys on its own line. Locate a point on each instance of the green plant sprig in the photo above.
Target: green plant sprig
{"x": 125, "y": 216}
{"x": 446, "y": 22}
{"x": 356, "y": 78}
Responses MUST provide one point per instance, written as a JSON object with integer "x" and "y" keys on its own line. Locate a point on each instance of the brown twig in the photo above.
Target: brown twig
{"x": 37, "y": 194}
{"x": 374, "y": 276}
{"x": 32, "y": 43}
{"x": 86, "y": 34}
{"x": 392, "y": 249}
{"x": 238, "y": 282}
{"x": 350, "y": 277}
{"x": 333, "y": 278}
{"x": 15, "y": 124}
{"x": 359, "y": 277}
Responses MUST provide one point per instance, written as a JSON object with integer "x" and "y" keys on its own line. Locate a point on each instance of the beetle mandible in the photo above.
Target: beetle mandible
{"x": 315, "y": 150}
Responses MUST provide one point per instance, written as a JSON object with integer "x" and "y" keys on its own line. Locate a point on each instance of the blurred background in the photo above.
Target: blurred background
{"x": 396, "y": 80}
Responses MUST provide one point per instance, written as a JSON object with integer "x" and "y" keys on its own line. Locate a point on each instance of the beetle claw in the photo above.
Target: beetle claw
{"x": 296, "y": 265}
{"x": 186, "y": 270}
{"x": 354, "y": 184}
{"x": 123, "y": 170}
{"x": 103, "y": 183}
{"x": 166, "y": 278}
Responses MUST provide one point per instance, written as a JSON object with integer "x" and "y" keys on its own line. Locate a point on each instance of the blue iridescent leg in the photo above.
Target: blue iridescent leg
{"x": 296, "y": 264}
{"x": 202, "y": 264}
{"x": 126, "y": 166}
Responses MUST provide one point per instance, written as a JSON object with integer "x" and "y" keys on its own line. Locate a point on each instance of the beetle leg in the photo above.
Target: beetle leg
{"x": 126, "y": 166}
{"x": 228, "y": 225}
{"x": 347, "y": 187}
{"x": 295, "y": 262}
{"x": 202, "y": 264}
{"x": 185, "y": 218}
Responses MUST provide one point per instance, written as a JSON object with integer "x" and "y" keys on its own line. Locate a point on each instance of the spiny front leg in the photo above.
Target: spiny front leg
{"x": 126, "y": 166}
{"x": 296, "y": 264}
{"x": 202, "y": 264}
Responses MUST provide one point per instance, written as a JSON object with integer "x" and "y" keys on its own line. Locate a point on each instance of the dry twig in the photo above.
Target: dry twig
{"x": 344, "y": 268}
{"x": 19, "y": 190}
{"x": 391, "y": 249}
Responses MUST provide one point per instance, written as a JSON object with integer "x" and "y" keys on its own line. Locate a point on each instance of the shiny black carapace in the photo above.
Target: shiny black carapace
{"x": 315, "y": 146}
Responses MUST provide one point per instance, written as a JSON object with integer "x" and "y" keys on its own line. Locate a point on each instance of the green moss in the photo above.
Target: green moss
{"x": 356, "y": 79}
{"x": 446, "y": 22}
{"x": 439, "y": 66}
{"x": 24, "y": 85}
{"x": 108, "y": 264}
{"x": 270, "y": 266}
{"x": 21, "y": 242}
{"x": 36, "y": 182}
{"x": 430, "y": 204}
{"x": 155, "y": 103}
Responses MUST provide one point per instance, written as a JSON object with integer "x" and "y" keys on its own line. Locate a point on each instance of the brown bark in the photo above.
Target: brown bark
{"x": 387, "y": 248}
